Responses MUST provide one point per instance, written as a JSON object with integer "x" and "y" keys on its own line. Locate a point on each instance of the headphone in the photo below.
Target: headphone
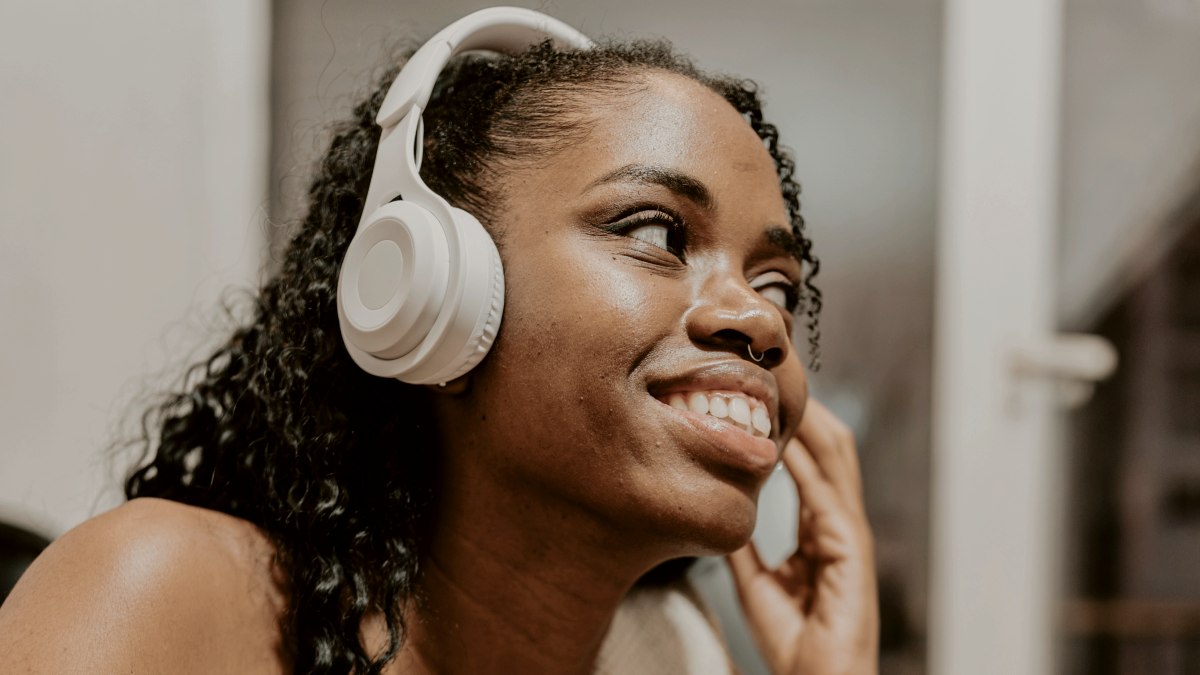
{"x": 421, "y": 289}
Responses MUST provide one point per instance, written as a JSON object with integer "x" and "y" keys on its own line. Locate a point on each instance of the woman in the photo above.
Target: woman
{"x": 295, "y": 513}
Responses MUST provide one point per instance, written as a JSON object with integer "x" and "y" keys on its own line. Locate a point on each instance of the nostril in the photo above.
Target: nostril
{"x": 735, "y": 341}
{"x": 731, "y": 337}
{"x": 768, "y": 359}
{"x": 740, "y": 343}
{"x": 771, "y": 358}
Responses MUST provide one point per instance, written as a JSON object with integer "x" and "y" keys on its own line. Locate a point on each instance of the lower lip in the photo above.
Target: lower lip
{"x": 759, "y": 455}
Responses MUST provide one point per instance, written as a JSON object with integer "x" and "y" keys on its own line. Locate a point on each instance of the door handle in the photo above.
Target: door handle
{"x": 1072, "y": 362}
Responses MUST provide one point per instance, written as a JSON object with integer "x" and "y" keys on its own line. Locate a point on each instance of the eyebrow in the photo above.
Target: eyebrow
{"x": 785, "y": 242}
{"x": 778, "y": 238}
{"x": 675, "y": 181}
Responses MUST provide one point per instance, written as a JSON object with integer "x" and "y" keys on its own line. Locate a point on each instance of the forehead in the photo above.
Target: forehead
{"x": 674, "y": 123}
{"x": 675, "y": 118}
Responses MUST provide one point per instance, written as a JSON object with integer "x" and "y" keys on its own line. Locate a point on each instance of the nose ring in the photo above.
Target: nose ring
{"x": 756, "y": 359}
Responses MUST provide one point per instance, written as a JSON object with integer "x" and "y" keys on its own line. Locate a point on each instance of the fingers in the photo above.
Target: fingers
{"x": 831, "y": 444}
{"x": 816, "y": 494}
{"x": 834, "y": 530}
{"x": 770, "y": 608}
{"x": 745, "y": 563}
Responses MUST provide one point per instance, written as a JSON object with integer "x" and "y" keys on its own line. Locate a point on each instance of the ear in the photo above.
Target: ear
{"x": 455, "y": 387}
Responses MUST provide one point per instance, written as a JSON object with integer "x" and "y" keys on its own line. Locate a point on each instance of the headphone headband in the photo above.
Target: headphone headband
{"x": 499, "y": 29}
{"x": 421, "y": 289}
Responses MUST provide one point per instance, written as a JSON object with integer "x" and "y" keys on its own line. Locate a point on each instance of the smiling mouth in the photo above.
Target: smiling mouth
{"x": 733, "y": 408}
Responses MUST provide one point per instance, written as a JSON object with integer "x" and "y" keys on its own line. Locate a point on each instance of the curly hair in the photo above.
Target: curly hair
{"x": 280, "y": 428}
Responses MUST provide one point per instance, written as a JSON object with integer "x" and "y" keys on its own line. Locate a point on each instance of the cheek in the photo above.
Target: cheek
{"x": 578, "y": 319}
{"x": 593, "y": 309}
{"x": 576, "y": 324}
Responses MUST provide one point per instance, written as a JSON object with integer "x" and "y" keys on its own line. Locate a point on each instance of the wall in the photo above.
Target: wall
{"x": 1131, "y": 143}
{"x": 133, "y": 154}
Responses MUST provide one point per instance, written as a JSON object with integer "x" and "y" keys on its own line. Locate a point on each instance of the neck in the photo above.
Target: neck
{"x": 514, "y": 583}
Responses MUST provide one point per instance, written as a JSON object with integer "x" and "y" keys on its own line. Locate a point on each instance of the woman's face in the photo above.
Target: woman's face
{"x": 642, "y": 265}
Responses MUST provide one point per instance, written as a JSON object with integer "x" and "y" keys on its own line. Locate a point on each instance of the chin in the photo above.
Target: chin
{"x": 727, "y": 529}
{"x": 707, "y": 516}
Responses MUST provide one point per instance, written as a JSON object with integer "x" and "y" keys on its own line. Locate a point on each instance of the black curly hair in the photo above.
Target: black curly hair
{"x": 280, "y": 428}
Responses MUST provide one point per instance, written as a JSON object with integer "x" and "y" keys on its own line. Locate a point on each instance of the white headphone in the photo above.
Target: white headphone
{"x": 421, "y": 289}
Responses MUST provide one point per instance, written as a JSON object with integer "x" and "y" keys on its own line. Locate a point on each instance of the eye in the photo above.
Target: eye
{"x": 775, "y": 294}
{"x": 779, "y": 290}
{"x": 657, "y": 227}
{"x": 651, "y": 234}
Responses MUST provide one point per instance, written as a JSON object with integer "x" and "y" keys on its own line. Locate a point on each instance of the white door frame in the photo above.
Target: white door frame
{"x": 993, "y": 576}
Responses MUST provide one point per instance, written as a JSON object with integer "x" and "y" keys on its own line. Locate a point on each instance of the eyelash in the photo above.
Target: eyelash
{"x": 654, "y": 215}
{"x": 676, "y": 231}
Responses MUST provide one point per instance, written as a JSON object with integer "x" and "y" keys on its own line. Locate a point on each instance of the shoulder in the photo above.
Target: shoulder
{"x": 152, "y": 584}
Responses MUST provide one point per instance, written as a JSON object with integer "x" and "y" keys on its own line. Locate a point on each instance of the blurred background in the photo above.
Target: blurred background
{"x": 979, "y": 177}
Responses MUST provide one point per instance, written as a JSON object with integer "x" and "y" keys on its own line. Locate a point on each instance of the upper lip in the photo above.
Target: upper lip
{"x": 735, "y": 376}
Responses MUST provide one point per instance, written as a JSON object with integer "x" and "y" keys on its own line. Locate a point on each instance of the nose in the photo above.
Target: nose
{"x": 730, "y": 315}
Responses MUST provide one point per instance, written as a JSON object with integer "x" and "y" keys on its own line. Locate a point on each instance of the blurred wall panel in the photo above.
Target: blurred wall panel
{"x": 1130, "y": 270}
{"x": 1131, "y": 143}
{"x": 133, "y": 171}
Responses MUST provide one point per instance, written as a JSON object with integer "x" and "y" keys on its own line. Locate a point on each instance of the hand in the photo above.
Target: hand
{"x": 817, "y": 613}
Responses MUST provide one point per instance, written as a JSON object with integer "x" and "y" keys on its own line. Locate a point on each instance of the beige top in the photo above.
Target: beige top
{"x": 664, "y": 631}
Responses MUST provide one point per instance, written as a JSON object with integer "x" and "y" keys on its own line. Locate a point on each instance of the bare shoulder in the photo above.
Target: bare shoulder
{"x": 151, "y": 585}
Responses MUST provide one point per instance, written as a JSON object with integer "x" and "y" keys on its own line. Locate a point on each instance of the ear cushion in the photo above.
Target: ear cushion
{"x": 396, "y": 318}
{"x": 476, "y": 320}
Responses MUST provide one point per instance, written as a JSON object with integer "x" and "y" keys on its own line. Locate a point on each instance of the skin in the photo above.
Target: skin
{"x": 150, "y": 587}
{"x": 563, "y": 478}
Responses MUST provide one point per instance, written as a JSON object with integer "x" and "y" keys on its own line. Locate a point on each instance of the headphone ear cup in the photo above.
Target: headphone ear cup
{"x": 476, "y": 319}
{"x": 392, "y": 284}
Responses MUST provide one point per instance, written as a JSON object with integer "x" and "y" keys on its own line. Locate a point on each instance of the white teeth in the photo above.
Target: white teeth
{"x": 739, "y": 411}
{"x": 718, "y": 408}
{"x": 761, "y": 421}
{"x": 748, "y": 414}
